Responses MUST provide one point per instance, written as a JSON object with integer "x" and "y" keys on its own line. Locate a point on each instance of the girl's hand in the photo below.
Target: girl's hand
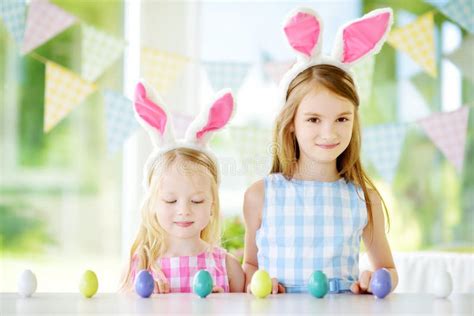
{"x": 363, "y": 285}
{"x": 217, "y": 289}
{"x": 161, "y": 283}
{"x": 162, "y": 286}
{"x": 276, "y": 287}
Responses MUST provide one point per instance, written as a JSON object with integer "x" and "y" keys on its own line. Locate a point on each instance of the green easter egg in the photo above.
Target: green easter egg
{"x": 202, "y": 283}
{"x": 89, "y": 284}
{"x": 318, "y": 284}
{"x": 261, "y": 284}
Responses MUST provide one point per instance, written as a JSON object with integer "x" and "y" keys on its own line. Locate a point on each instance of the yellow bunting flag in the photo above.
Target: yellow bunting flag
{"x": 64, "y": 91}
{"x": 417, "y": 40}
{"x": 161, "y": 69}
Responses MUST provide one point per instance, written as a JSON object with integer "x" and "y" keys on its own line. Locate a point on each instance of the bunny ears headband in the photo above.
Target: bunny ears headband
{"x": 354, "y": 42}
{"x": 153, "y": 115}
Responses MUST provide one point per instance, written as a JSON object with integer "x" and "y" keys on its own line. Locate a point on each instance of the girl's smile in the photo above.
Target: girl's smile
{"x": 184, "y": 224}
{"x": 328, "y": 146}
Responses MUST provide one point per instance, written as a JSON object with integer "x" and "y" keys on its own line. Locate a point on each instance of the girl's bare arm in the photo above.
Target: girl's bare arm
{"x": 253, "y": 205}
{"x": 378, "y": 248}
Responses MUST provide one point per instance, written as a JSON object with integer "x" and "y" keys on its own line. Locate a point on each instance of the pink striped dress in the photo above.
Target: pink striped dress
{"x": 179, "y": 271}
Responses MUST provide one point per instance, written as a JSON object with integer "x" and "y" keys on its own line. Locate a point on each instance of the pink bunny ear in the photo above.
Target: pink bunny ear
{"x": 303, "y": 29}
{"x": 212, "y": 119}
{"x": 150, "y": 113}
{"x": 363, "y": 37}
{"x": 219, "y": 114}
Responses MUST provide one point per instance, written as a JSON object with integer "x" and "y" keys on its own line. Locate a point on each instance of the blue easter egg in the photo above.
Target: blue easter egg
{"x": 318, "y": 284}
{"x": 202, "y": 283}
{"x": 381, "y": 283}
{"x": 144, "y": 283}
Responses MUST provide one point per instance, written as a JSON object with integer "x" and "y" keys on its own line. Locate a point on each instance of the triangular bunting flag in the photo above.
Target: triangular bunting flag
{"x": 448, "y": 132}
{"x": 274, "y": 71}
{"x": 265, "y": 57}
{"x": 64, "y": 91}
{"x": 161, "y": 69}
{"x": 13, "y": 13}
{"x": 364, "y": 73}
{"x": 226, "y": 74}
{"x": 44, "y": 21}
{"x": 99, "y": 51}
{"x": 382, "y": 145}
{"x": 120, "y": 119}
{"x": 461, "y": 12}
{"x": 417, "y": 40}
{"x": 463, "y": 57}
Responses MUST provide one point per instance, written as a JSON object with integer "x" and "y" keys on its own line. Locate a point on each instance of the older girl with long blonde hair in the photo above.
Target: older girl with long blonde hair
{"x": 311, "y": 212}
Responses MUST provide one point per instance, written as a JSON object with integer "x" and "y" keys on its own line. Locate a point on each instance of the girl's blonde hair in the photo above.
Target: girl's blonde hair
{"x": 150, "y": 243}
{"x": 286, "y": 154}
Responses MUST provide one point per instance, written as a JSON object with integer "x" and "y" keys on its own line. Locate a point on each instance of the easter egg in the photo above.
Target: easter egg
{"x": 261, "y": 284}
{"x": 202, "y": 283}
{"x": 144, "y": 283}
{"x": 442, "y": 284}
{"x": 88, "y": 284}
{"x": 27, "y": 283}
{"x": 318, "y": 284}
{"x": 381, "y": 283}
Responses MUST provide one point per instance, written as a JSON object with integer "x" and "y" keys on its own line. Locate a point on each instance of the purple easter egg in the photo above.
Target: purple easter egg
{"x": 381, "y": 283}
{"x": 144, "y": 283}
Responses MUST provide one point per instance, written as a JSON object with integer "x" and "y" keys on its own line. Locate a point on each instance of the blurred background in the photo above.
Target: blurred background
{"x": 72, "y": 154}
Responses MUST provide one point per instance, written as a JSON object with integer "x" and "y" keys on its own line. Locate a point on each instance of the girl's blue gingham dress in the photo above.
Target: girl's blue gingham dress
{"x": 308, "y": 226}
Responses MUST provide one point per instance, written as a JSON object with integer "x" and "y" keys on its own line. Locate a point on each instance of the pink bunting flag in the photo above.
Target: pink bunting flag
{"x": 44, "y": 21}
{"x": 448, "y": 132}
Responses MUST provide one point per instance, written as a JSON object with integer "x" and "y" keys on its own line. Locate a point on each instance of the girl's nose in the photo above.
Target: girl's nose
{"x": 184, "y": 208}
{"x": 184, "y": 212}
{"x": 328, "y": 132}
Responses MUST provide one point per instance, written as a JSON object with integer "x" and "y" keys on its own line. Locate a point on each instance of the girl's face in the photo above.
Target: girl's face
{"x": 185, "y": 201}
{"x": 323, "y": 126}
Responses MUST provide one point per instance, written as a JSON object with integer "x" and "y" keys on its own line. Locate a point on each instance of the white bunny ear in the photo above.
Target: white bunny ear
{"x": 151, "y": 113}
{"x": 303, "y": 28}
{"x": 363, "y": 37}
{"x": 211, "y": 118}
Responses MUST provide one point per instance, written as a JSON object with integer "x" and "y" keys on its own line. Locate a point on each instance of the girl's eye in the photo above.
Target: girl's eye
{"x": 197, "y": 202}
{"x": 170, "y": 201}
{"x": 343, "y": 119}
{"x": 313, "y": 120}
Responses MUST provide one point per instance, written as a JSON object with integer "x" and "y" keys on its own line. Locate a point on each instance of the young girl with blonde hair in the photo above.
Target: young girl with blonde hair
{"x": 317, "y": 203}
{"x": 179, "y": 233}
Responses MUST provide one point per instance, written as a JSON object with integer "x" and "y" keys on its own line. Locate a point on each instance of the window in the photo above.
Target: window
{"x": 60, "y": 191}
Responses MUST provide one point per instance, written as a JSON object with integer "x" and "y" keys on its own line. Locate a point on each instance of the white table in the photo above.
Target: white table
{"x": 224, "y": 304}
